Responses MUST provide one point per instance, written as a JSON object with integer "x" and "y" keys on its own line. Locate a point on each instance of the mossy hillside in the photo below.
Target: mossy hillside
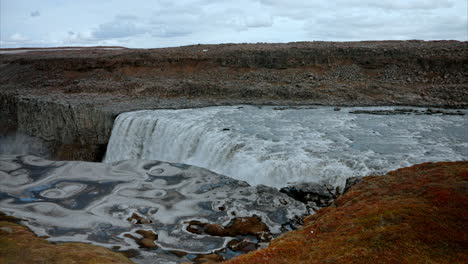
{"x": 412, "y": 215}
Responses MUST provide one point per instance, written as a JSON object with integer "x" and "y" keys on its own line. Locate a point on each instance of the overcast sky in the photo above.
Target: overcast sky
{"x": 163, "y": 23}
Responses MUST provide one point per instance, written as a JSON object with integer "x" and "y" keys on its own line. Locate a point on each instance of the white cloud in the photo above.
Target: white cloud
{"x": 17, "y": 37}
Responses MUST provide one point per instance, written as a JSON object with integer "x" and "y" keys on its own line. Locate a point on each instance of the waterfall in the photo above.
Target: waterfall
{"x": 275, "y": 146}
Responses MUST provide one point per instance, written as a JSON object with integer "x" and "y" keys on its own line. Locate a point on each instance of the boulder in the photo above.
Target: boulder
{"x": 321, "y": 195}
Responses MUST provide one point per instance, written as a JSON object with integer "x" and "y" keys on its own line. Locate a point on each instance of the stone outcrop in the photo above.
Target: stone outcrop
{"x": 313, "y": 194}
{"x": 69, "y": 98}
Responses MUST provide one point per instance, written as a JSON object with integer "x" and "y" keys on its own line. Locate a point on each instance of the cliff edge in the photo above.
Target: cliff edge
{"x": 69, "y": 97}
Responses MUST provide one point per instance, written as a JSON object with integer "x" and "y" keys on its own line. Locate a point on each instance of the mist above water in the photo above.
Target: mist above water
{"x": 20, "y": 144}
{"x": 274, "y": 146}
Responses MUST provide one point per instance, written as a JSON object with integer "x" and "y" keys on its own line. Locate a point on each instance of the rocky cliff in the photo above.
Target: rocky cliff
{"x": 69, "y": 98}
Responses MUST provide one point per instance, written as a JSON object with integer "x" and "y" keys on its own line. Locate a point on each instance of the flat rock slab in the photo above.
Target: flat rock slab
{"x": 138, "y": 205}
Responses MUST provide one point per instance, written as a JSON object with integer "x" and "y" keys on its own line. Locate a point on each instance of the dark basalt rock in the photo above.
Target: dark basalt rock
{"x": 407, "y": 111}
{"x": 350, "y": 182}
{"x": 321, "y": 195}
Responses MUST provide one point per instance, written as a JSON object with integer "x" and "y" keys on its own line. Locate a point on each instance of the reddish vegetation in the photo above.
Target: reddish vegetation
{"x": 20, "y": 246}
{"x": 412, "y": 215}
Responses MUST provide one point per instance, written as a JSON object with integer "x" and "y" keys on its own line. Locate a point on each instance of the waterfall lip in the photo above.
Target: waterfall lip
{"x": 275, "y": 145}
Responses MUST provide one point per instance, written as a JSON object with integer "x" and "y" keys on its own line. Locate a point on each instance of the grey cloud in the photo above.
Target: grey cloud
{"x": 382, "y": 26}
{"x": 118, "y": 28}
{"x": 400, "y": 4}
{"x": 384, "y": 4}
{"x": 126, "y": 17}
{"x": 258, "y": 21}
{"x": 35, "y": 14}
{"x": 172, "y": 33}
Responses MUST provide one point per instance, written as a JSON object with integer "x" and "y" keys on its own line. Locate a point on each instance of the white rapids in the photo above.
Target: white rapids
{"x": 275, "y": 146}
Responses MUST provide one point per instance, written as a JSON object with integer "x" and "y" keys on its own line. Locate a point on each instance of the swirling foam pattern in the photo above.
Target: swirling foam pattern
{"x": 91, "y": 202}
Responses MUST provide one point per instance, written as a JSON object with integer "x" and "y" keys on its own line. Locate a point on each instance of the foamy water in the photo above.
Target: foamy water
{"x": 262, "y": 145}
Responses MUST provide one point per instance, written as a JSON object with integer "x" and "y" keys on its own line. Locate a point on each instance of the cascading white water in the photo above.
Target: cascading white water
{"x": 265, "y": 145}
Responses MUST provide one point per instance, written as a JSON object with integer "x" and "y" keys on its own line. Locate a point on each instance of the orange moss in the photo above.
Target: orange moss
{"x": 411, "y": 215}
{"x": 18, "y": 245}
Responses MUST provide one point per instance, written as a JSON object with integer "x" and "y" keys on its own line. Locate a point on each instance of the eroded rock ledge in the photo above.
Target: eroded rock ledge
{"x": 69, "y": 98}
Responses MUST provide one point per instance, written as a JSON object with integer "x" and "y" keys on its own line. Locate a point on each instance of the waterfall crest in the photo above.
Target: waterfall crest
{"x": 274, "y": 146}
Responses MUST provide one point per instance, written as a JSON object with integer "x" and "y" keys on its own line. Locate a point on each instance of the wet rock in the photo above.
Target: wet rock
{"x": 249, "y": 226}
{"x": 244, "y": 245}
{"x": 350, "y": 182}
{"x": 137, "y": 219}
{"x": 130, "y": 253}
{"x": 147, "y": 239}
{"x": 178, "y": 253}
{"x": 212, "y": 258}
{"x": 146, "y": 243}
{"x": 321, "y": 195}
{"x": 407, "y": 111}
{"x": 297, "y": 221}
{"x": 237, "y": 227}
